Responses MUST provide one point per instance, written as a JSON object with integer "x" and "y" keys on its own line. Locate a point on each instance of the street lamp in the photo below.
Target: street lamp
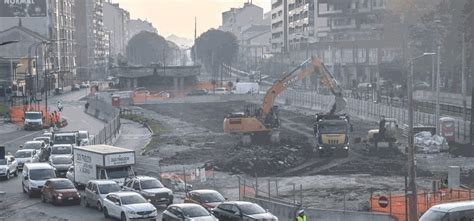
{"x": 411, "y": 148}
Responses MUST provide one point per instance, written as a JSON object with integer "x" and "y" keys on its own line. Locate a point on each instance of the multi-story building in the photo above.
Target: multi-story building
{"x": 91, "y": 40}
{"x": 52, "y": 24}
{"x": 116, "y": 22}
{"x": 279, "y": 26}
{"x": 301, "y": 22}
{"x": 136, "y": 26}
{"x": 236, "y": 20}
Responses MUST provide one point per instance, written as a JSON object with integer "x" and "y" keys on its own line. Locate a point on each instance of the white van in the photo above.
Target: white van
{"x": 460, "y": 211}
{"x": 34, "y": 176}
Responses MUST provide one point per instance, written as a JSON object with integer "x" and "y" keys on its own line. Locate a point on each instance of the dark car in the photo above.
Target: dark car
{"x": 209, "y": 199}
{"x": 197, "y": 92}
{"x": 75, "y": 87}
{"x": 188, "y": 212}
{"x": 60, "y": 191}
{"x": 240, "y": 210}
{"x": 150, "y": 188}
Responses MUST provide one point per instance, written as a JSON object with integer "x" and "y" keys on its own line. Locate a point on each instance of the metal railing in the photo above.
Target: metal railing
{"x": 110, "y": 115}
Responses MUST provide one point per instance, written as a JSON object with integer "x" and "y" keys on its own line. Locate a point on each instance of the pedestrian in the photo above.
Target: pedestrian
{"x": 53, "y": 120}
{"x": 301, "y": 216}
{"x": 60, "y": 106}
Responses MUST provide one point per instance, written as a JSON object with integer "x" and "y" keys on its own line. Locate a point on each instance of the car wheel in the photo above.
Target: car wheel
{"x": 16, "y": 172}
{"x": 123, "y": 217}
{"x": 99, "y": 206}
{"x": 106, "y": 213}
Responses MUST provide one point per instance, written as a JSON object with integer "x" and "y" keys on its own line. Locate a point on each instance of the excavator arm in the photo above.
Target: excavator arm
{"x": 308, "y": 67}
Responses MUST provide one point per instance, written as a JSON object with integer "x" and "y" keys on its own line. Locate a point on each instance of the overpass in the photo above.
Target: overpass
{"x": 156, "y": 75}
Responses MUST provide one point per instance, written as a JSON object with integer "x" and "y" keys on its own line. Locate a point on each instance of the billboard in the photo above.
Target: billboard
{"x": 23, "y": 8}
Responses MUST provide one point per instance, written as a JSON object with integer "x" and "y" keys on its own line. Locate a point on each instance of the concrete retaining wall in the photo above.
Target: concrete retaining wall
{"x": 208, "y": 98}
{"x": 102, "y": 110}
{"x": 287, "y": 212}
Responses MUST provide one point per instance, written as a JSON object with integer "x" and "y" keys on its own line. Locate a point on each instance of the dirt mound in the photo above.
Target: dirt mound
{"x": 264, "y": 160}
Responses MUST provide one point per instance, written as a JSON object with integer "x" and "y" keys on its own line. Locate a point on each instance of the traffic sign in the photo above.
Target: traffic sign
{"x": 383, "y": 202}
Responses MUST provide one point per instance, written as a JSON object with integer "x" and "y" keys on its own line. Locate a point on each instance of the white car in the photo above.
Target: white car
{"x": 221, "y": 90}
{"x": 83, "y": 136}
{"x": 188, "y": 212}
{"x": 128, "y": 206}
{"x": 24, "y": 156}
{"x": 8, "y": 167}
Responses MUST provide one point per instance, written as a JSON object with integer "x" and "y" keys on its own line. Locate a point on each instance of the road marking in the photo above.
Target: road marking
{"x": 18, "y": 138}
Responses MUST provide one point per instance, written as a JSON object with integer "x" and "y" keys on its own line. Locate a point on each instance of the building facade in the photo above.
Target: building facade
{"x": 53, "y": 30}
{"x": 116, "y": 23}
{"x": 91, "y": 40}
{"x": 136, "y": 26}
{"x": 237, "y": 20}
{"x": 279, "y": 26}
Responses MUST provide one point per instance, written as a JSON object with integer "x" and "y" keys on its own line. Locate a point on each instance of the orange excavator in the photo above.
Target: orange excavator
{"x": 264, "y": 121}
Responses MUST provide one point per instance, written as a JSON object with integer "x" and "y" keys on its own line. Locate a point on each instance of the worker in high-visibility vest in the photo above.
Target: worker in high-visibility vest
{"x": 301, "y": 216}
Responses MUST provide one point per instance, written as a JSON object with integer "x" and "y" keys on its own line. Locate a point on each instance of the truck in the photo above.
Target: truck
{"x": 66, "y": 137}
{"x": 332, "y": 134}
{"x": 33, "y": 120}
{"x": 245, "y": 88}
{"x": 102, "y": 162}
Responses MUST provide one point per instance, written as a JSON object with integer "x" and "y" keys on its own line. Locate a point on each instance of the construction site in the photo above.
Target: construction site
{"x": 361, "y": 176}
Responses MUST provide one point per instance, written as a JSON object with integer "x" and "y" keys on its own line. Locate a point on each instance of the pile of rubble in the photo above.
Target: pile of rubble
{"x": 263, "y": 160}
{"x": 427, "y": 143}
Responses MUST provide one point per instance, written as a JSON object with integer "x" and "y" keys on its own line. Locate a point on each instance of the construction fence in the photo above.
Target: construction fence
{"x": 104, "y": 111}
{"x": 265, "y": 192}
{"x": 368, "y": 110}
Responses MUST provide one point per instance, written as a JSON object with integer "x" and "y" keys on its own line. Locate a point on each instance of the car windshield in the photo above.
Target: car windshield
{"x": 331, "y": 128}
{"x": 61, "y": 150}
{"x": 132, "y": 199}
{"x": 83, "y": 135}
{"x": 62, "y": 184}
{"x": 150, "y": 184}
{"x": 211, "y": 198}
{"x": 195, "y": 211}
{"x": 23, "y": 154}
{"x": 62, "y": 160}
{"x": 114, "y": 173}
{"x": 108, "y": 188}
{"x": 33, "y": 146}
{"x": 3, "y": 162}
{"x": 34, "y": 116}
{"x": 42, "y": 174}
{"x": 250, "y": 209}
{"x": 433, "y": 215}
{"x": 64, "y": 139}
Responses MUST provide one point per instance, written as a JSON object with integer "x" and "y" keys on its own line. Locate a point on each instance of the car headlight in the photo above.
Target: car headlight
{"x": 149, "y": 194}
{"x": 2, "y": 169}
{"x": 131, "y": 212}
{"x": 346, "y": 148}
{"x": 60, "y": 194}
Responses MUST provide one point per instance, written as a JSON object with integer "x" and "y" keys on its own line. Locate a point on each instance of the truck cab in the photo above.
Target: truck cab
{"x": 66, "y": 138}
{"x": 33, "y": 120}
{"x": 332, "y": 134}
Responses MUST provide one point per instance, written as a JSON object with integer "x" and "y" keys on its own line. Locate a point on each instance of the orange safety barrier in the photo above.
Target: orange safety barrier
{"x": 246, "y": 190}
{"x": 395, "y": 204}
{"x": 18, "y": 112}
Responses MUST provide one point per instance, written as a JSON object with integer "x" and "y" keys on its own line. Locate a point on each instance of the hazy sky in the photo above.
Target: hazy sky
{"x": 177, "y": 16}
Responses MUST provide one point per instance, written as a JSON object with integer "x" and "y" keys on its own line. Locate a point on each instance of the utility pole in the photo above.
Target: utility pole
{"x": 438, "y": 86}
{"x": 412, "y": 199}
{"x": 463, "y": 78}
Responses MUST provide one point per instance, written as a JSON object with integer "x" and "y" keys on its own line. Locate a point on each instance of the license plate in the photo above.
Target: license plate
{"x": 163, "y": 199}
{"x": 70, "y": 198}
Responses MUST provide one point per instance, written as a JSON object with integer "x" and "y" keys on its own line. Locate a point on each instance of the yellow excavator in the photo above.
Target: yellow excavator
{"x": 264, "y": 121}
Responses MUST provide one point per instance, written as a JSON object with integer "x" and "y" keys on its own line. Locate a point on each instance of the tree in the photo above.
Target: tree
{"x": 146, "y": 48}
{"x": 215, "y": 47}
{"x": 443, "y": 26}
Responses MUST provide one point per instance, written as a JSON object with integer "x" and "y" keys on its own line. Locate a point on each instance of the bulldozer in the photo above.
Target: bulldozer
{"x": 253, "y": 124}
{"x": 387, "y": 138}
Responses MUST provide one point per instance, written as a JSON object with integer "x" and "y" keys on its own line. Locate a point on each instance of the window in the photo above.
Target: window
{"x": 103, "y": 176}
{"x": 136, "y": 185}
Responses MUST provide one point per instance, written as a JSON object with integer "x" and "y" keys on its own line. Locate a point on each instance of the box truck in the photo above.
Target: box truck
{"x": 102, "y": 162}
{"x": 246, "y": 88}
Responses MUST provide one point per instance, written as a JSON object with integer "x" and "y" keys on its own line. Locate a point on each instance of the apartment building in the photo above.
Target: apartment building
{"x": 279, "y": 26}
{"x": 116, "y": 23}
{"x": 237, "y": 20}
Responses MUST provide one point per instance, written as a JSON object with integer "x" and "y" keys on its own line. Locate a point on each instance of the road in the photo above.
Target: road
{"x": 73, "y": 112}
{"x": 15, "y": 205}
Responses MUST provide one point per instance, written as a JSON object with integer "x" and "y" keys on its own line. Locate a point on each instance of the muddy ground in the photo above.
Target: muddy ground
{"x": 293, "y": 157}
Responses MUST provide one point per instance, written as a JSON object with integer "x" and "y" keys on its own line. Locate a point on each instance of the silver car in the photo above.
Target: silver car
{"x": 61, "y": 164}
{"x": 95, "y": 192}
{"x": 24, "y": 156}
